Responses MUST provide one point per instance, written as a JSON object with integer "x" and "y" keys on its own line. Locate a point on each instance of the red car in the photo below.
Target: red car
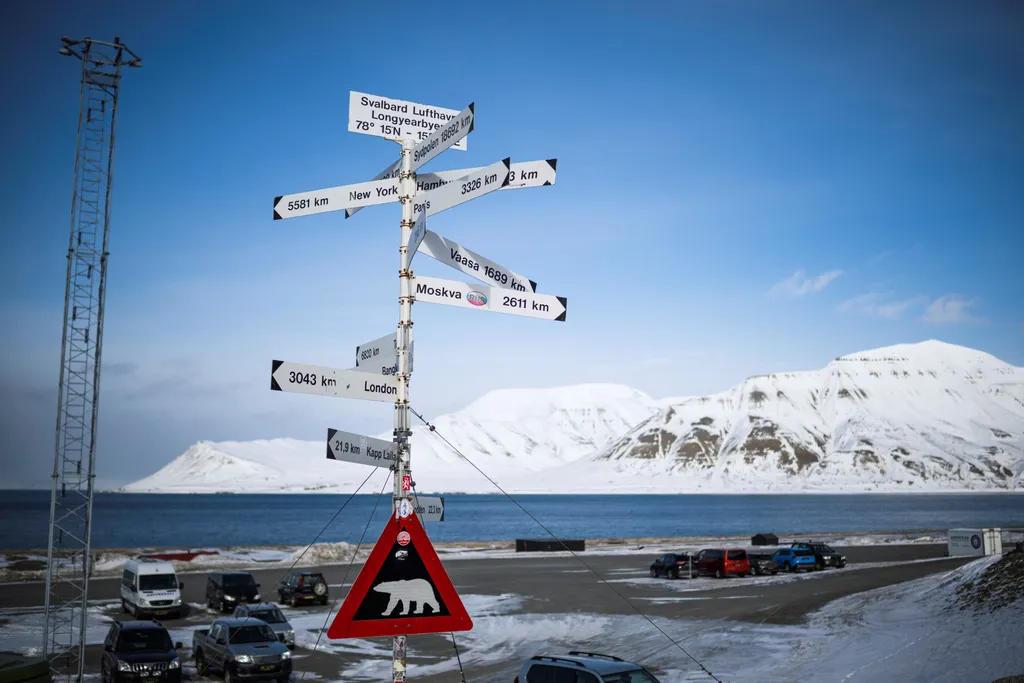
{"x": 721, "y": 562}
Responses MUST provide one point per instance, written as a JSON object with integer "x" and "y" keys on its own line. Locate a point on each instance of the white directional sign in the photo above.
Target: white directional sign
{"x": 380, "y": 355}
{"x": 396, "y": 119}
{"x": 458, "y": 257}
{"x": 336, "y": 198}
{"x": 363, "y": 450}
{"x": 476, "y": 184}
{"x": 444, "y": 137}
{"x": 314, "y": 379}
{"x": 429, "y": 508}
{"x": 521, "y": 174}
{"x": 419, "y": 230}
{"x": 484, "y": 298}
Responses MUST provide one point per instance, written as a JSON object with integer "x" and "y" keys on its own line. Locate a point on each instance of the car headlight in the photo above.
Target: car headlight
{"x": 175, "y": 664}
{"x": 243, "y": 659}
{"x": 124, "y": 666}
{"x": 286, "y": 655}
{"x": 257, "y": 597}
{"x": 289, "y": 633}
{"x": 229, "y": 598}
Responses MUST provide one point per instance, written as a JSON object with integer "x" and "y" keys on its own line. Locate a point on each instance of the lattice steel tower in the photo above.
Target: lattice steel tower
{"x": 68, "y": 558}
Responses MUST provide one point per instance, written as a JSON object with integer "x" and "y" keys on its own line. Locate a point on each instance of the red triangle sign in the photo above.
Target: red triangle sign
{"x": 401, "y": 590}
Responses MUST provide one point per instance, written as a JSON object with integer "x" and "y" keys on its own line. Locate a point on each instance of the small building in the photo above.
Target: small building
{"x": 764, "y": 539}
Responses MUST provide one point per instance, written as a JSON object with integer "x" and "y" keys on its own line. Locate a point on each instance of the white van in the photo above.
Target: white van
{"x": 150, "y": 587}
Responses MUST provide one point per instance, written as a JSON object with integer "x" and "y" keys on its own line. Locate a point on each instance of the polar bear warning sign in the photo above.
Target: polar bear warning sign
{"x": 401, "y": 590}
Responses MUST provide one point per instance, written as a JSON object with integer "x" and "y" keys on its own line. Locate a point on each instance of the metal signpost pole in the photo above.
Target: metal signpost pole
{"x": 404, "y": 338}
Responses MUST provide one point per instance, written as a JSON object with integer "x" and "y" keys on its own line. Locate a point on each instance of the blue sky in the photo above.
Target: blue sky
{"x": 742, "y": 188}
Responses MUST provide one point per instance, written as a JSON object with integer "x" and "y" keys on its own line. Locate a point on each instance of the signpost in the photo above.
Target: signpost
{"x": 484, "y": 298}
{"x": 473, "y": 264}
{"x": 403, "y": 588}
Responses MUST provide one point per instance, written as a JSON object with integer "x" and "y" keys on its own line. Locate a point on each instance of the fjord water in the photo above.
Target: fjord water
{"x": 204, "y": 520}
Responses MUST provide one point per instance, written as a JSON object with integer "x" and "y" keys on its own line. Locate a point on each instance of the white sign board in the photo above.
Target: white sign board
{"x": 444, "y": 137}
{"x": 419, "y": 231}
{"x": 484, "y": 298}
{"x": 476, "y": 184}
{"x": 380, "y": 355}
{"x": 458, "y": 257}
{"x": 315, "y": 379}
{"x": 975, "y": 542}
{"x": 336, "y": 198}
{"x": 362, "y": 450}
{"x": 429, "y": 508}
{"x": 397, "y": 119}
{"x": 521, "y": 174}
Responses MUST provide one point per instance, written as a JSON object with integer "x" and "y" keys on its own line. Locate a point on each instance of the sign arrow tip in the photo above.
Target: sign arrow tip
{"x": 565, "y": 307}
{"x": 553, "y": 163}
{"x": 277, "y": 216}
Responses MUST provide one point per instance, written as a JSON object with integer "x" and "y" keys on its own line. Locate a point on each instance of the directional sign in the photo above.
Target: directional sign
{"x": 522, "y": 174}
{"x": 476, "y": 184}
{"x": 484, "y": 298}
{"x": 473, "y": 264}
{"x": 314, "y": 379}
{"x": 364, "y": 450}
{"x": 444, "y": 137}
{"x": 401, "y": 590}
{"x": 429, "y": 508}
{"x": 419, "y": 230}
{"x": 396, "y": 119}
{"x": 336, "y": 198}
{"x": 380, "y": 356}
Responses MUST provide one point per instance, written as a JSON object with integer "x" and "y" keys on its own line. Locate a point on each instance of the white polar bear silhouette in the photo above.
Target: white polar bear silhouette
{"x": 414, "y": 590}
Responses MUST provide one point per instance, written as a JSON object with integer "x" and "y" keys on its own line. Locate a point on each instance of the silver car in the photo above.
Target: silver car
{"x": 272, "y": 616}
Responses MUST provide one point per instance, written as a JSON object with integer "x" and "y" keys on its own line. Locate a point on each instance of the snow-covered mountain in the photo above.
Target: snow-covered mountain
{"x": 912, "y": 417}
{"x": 928, "y": 416}
{"x": 508, "y": 434}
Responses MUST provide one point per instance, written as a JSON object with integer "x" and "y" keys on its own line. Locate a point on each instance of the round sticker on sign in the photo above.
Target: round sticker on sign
{"x": 476, "y": 298}
{"x": 404, "y": 508}
{"x": 404, "y": 538}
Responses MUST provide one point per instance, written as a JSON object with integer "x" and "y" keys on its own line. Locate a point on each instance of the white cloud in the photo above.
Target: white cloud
{"x": 798, "y": 284}
{"x": 877, "y": 304}
{"x": 951, "y": 308}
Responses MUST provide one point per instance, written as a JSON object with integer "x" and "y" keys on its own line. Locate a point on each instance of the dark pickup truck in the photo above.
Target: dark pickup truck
{"x": 243, "y": 649}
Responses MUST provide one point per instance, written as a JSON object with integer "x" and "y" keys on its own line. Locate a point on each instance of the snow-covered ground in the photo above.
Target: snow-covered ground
{"x": 906, "y": 632}
{"x": 912, "y": 417}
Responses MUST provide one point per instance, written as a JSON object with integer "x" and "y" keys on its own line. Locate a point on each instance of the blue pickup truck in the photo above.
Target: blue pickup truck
{"x": 244, "y": 649}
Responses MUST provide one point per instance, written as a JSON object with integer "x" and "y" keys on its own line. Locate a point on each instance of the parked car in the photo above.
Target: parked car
{"x": 674, "y": 565}
{"x": 243, "y": 649}
{"x": 824, "y": 555}
{"x": 762, "y": 563}
{"x": 302, "y": 586}
{"x": 225, "y": 590}
{"x": 721, "y": 562}
{"x": 582, "y": 667}
{"x": 269, "y": 614}
{"x": 137, "y": 652}
{"x": 150, "y": 587}
{"x": 794, "y": 559}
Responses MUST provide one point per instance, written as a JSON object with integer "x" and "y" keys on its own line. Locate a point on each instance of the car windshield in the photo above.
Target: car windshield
{"x": 239, "y": 580}
{"x": 271, "y": 616}
{"x": 827, "y": 549}
{"x": 157, "y": 582}
{"x": 635, "y": 676}
{"x": 251, "y": 634}
{"x": 144, "y": 639}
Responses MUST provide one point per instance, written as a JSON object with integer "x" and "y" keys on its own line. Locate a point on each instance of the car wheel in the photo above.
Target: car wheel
{"x": 136, "y": 612}
{"x": 295, "y": 600}
{"x": 124, "y": 607}
{"x": 718, "y": 573}
{"x": 201, "y": 667}
{"x": 675, "y": 572}
{"x": 654, "y": 573}
{"x": 789, "y": 567}
{"x": 227, "y": 675}
{"x": 774, "y": 572}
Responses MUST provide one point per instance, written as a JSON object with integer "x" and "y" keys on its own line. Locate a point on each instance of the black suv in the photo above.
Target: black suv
{"x": 227, "y": 590}
{"x": 302, "y": 586}
{"x": 673, "y": 564}
{"x": 139, "y": 652}
{"x": 824, "y": 555}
